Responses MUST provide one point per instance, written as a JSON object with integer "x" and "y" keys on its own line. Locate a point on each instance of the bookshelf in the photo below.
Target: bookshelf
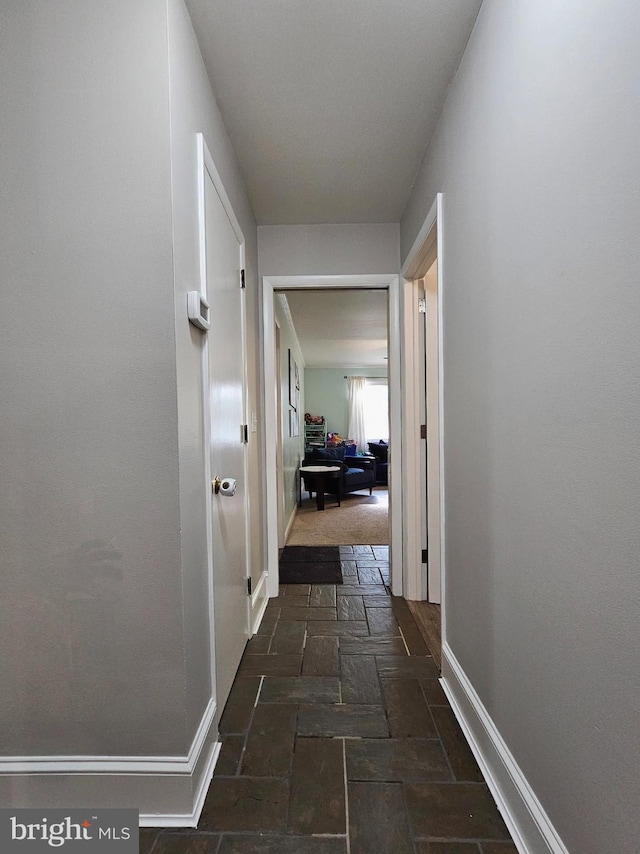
{"x": 315, "y": 435}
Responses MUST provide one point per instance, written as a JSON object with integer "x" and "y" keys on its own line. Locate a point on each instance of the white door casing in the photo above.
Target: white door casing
{"x": 279, "y": 440}
{"x": 419, "y": 336}
{"x": 430, "y": 357}
{"x": 269, "y": 285}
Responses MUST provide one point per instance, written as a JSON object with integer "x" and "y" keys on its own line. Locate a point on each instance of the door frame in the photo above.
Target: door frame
{"x": 279, "y": 435}
{"x": 427, "y": 247}
{"x": 391, "y": 283}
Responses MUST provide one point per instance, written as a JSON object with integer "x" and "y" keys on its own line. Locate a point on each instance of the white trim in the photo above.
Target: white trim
{"x": 414, "y": 571}
{"x": 280, "y": 432}
{"x": 292, "y": 519}
{"x": 286, "y": 310}
{"x": 255, "y": 595}
{"x": 190, "y": 819}
{"x": 270, "y": 406}
{"x": 269, "y": 285}
{"x": 414, "y": 504}
{"x": 204, "y": 391}
{"x": 205, "y": 781}
{"x": 440, "y": 255}
{"x": 434, "y": 215}
{"x": 149, "y": 782}
{"x": 246, "y": 408}
{"x": 259, "y": 605}
{"x": 362, "y": 369}
{"x": 524, "y": 815}
{"x": 207, "y": 159}
{"x": 115, "y": 764}
{"x": 396, "y": 455}
{"x": 293, "y": 283}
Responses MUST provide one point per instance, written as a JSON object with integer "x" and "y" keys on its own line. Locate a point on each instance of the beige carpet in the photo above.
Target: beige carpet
{"x": 361, "y": 519}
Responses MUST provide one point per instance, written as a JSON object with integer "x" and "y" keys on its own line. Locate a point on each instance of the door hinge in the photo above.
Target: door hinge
{"x": 244, "y": 434}
{"x": 242, "y": 282}
{"x": 249, "y": 585}
{"x": 423, "y": 431}
{"x": 425, "y": 555}
{"x": 422, "y": 305}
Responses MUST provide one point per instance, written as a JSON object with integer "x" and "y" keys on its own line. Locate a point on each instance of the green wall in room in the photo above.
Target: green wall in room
{"x": 326, "y": 393}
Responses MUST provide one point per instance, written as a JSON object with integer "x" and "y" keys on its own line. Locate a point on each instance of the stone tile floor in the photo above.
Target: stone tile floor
{"x": 337, "y": 737}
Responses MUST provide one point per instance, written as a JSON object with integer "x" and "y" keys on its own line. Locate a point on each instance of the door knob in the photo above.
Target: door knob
{"x": 225, "y": 486}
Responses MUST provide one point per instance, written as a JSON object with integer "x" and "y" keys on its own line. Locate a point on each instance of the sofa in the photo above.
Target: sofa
{"x": 356, "y": 473}
{"x": 380, "y": 450}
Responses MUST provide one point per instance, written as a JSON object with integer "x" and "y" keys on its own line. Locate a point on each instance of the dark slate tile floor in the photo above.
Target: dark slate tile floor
{"x": 337, "y": 737}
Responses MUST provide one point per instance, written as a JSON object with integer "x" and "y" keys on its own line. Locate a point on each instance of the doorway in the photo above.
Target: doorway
{"x": 423, "y": 426}
{"x": 430, "y": 408}
{"x": 279, "y": 439}
{"x": 339, "y": 352}
{"x": 271, "y": 285}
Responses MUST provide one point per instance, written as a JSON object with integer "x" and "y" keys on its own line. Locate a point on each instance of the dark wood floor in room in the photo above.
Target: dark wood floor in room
{"x": 337, "y": 737}
{"x": 427, "y": 616}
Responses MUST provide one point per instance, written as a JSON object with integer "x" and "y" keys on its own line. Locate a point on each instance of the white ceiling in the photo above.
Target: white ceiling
{"x": 330, "y": 104}
{"x": 340, "y": 329}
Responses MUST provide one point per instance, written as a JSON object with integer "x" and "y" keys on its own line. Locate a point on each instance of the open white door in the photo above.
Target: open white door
{"x": 423, "y": 435}
{"x": 432, "y": 445}
{"x": 279, "y": 440}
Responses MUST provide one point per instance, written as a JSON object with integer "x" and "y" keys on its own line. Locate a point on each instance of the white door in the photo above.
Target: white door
{"x": 432, "y": 420}
{"x": 279, "y": 441}
{"x": 225, "y": 405}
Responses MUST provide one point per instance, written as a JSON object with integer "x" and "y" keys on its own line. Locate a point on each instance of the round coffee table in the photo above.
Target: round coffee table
{"x": 320, "y": 473}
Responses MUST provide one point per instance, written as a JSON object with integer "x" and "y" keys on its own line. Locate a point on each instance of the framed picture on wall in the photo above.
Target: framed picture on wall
{"x": 294, "y": 423}
{"x": 293, "y": 369}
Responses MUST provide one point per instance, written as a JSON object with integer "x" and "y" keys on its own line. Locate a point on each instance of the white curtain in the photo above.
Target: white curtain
{"x": 356, "y": 412}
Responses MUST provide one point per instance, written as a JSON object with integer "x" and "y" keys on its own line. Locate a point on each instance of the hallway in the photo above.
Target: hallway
{"x": 337, "y": 738}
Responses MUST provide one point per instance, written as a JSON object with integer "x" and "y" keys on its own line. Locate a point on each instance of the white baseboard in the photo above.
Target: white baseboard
{"x": 115, "y": 764}
{"x": 290, "y": 523}
{"x": 189, "y": 819}
{"x": 169, "y": 791}
{"x": 259, "y": 602}
{"x": 528, "y": 823}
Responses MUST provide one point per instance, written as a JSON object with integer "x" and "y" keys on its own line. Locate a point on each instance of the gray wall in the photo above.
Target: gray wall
{"x": 91, "y": 636}
{"x": 536, "y": 153}
{"x": 290, "y": 250}
{"x": 104, "y": 636}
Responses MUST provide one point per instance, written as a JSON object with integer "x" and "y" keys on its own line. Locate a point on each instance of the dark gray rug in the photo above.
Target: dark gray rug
{"x": 310, "y": 565}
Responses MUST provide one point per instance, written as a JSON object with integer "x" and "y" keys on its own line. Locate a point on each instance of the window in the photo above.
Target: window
{"x": 376, "y": 409}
